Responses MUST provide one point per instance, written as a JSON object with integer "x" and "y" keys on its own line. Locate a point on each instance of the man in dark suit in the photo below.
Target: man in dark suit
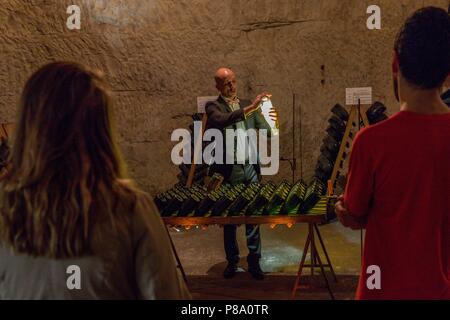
{"x": 228, "y": 112}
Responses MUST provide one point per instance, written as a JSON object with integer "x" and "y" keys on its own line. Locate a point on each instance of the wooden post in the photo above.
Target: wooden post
{"x": 197, "y": 149}
{"x": 364, "y": 117}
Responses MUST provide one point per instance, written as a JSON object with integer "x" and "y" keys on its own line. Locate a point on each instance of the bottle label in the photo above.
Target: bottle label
{"x": 266, "y": 106}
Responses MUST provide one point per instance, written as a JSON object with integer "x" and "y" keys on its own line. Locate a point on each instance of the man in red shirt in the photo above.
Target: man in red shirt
{"x": 398, "y": 185}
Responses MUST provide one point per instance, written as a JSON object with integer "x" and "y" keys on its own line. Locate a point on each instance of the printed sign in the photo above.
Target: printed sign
{"x": 353, "y": 96}
{"x": 202, "y": 101}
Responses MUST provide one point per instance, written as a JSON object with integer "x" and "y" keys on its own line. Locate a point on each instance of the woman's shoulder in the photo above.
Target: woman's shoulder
{"x": 141, "y": 202}
{"x": 128, "y": 190}
{"x": 133, "y": 212}
{"x": 144, "y": 218}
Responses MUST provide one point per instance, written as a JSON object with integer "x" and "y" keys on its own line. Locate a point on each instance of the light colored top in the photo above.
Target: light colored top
{"x": 241, "y": 150}
{"x": 132, "y": 259}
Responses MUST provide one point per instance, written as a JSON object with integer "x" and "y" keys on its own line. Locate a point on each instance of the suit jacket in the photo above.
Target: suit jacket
{"x": 221, "y": 117}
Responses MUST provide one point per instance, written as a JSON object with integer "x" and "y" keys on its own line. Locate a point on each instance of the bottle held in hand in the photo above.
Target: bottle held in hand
{"x": 266, "y": 106}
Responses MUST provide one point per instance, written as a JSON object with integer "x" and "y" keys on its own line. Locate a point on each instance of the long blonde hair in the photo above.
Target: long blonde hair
{"x": 65, "y": 163}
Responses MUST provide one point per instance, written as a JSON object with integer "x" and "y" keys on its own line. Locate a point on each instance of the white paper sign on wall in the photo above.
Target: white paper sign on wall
{"x": 202, "y": 101}
{"x": 363, "y": 95}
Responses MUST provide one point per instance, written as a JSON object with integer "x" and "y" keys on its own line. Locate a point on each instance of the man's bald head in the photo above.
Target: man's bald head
{"x": 222, "y": 74}
{"x": 226, "y": 82}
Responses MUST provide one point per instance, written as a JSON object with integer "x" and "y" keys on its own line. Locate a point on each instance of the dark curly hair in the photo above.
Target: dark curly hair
{"x": 423, "y": 48}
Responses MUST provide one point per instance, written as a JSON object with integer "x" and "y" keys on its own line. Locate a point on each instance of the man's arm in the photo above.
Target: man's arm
{"x": 219, "y": 119}
{"x": 346, "y": 219}
{"x": 353, "y": 208}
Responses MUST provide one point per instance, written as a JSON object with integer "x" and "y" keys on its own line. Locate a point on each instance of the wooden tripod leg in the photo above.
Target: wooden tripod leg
{"x": 325, "y": 252}
{"x": 313, "y": 249}
{"x": 339, "y": 157}
{"x": 322, "y": 269}
{"x": 300, "y": 268}
{"x": 175, "y": 253}
{"x": 362, "y": 245}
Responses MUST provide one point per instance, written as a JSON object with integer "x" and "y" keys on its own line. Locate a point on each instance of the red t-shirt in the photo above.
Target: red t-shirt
{"x": 399, "y": 178}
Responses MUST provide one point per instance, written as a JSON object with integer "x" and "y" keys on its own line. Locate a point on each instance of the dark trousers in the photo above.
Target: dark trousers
{"x": 242, "y": 174}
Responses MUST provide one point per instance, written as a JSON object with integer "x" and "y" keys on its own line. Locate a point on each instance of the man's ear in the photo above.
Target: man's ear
{"x": 219, "y": 85}
{"x": 447, "y": 81}
{"x": 395, "y": 64}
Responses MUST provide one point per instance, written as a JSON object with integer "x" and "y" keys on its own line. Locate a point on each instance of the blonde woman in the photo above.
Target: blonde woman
{"x": 71, "y": 226}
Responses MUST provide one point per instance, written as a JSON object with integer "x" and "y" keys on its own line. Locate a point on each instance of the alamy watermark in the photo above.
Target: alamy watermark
{"x": 373, "y": 281}
{"x": 241, "y": 146}
{"x": 73, "y": 281}
{"x": 74, "y": 20}
{"x": 373, "y": 21}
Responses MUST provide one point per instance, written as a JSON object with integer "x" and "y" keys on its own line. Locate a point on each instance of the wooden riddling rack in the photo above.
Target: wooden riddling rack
{"x": 357, "y": 115}
{"x": 343, "y": 128}
{"x": 311, "y": 202}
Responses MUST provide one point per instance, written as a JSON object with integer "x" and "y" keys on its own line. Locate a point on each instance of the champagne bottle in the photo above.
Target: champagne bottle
{"x": 277, "y": 199}
{"x": 221, "y": 206}
{"x": 160, "y": 201}
{"x": 244, "y": 199}
{"x": 189, "y": 205}
{"x": 266, "y": 106}
{"x": 173, "y": 206}
{"x": 321, "y": 206}
{"x": 313, "y": 193}
{"x": 258, "y": 203}
{"x": 295, "y": 198}
{"x": 207, "y": 203}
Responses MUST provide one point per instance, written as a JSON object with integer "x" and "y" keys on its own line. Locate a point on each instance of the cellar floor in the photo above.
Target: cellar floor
{"x": 201, "y": 253}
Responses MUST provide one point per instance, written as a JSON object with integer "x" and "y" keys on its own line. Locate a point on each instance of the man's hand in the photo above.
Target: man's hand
{"x": 255, "y": 104}
{"x": 346, "y": 218}
{"x": 273, "y": 113}
{"x": 259, "y": 97}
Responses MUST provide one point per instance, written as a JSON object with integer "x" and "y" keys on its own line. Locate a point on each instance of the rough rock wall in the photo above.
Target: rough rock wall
{"x": 159, "y": 55}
